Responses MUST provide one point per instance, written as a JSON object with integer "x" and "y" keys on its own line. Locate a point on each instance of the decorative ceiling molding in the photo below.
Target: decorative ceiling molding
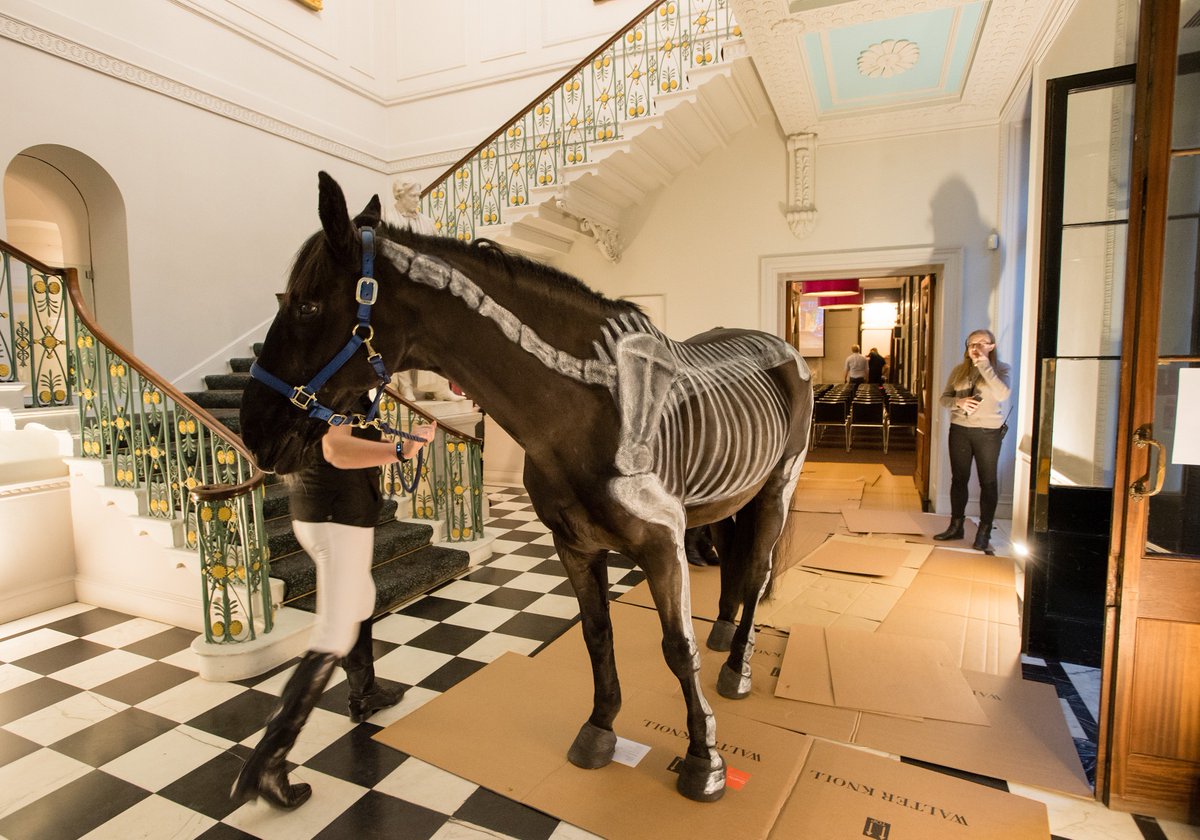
{"x": 1011, "y": 31}
{"x": 101, "y": 62}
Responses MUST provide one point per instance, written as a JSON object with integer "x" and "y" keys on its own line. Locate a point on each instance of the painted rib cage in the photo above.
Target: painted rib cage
{"x": 588, "y": 106}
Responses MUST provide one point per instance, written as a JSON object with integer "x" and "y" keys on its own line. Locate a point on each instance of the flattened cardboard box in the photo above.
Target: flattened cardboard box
{"x": 985, "y": 646}
{"x": 847, "y": 794}
{"x": 508, "y": 728}
{"x": 863, "y": 520}
{"x": 637, "y": 639}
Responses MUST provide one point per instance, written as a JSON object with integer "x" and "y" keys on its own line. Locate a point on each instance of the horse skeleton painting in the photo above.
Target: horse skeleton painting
{"x": 629, "y": 437}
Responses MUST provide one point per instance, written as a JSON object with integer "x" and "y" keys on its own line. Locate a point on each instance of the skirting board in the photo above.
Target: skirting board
{"x": 42, "y": 596}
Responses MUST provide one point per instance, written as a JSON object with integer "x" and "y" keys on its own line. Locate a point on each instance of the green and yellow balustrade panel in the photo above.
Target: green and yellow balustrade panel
{"x": 34, "y": 330}
{"x": 450, "y": 486}
{"x": 234, "y": 566}
{"x": 617, "y": 83}
{"x": 88, "y": 365}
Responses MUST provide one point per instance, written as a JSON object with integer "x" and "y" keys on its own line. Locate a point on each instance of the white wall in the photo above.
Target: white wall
{"x": 37, "y": 553}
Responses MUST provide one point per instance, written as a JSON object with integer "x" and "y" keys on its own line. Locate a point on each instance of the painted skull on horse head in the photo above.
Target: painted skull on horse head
{"x": 630, "y": 438}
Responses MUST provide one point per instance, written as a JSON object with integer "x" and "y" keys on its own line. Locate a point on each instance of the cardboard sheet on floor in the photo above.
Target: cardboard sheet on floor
{"x": 958, "y": 596}
{"x": 864, "y": 520}
{"x": 986, "y": 646}
{"x": 704, "y": 584}
{"x": 857, "y": 556}
{"x": 868, "y": 473}
{"x": 984, "y": 568}
{"x": 826, "y": 495}
{"x": 889, "y": 674}
{"x": 803, "y": 533}
{"x": 508, "y": 727}
{"x": 848, "y": 793}
{"x": 637, "y": 639}
{"x": 1027, "y": 741}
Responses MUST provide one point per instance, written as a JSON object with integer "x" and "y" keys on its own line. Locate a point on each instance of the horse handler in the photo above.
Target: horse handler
{"x": 335, "y": 505}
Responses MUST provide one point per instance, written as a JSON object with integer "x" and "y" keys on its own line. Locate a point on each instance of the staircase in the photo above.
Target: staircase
{"x": 406, "y": 563}
{"x": 674, "y": 85}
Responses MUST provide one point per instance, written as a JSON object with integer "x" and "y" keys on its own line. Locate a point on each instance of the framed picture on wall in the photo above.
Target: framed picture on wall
{"x": 805, "y": 322}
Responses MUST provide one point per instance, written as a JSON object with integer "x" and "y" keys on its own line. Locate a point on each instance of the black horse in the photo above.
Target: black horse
{"x": 629, "y": 437}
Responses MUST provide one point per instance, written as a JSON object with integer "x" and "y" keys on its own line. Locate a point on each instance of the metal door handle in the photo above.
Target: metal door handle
{"x": 1137, "y": 490}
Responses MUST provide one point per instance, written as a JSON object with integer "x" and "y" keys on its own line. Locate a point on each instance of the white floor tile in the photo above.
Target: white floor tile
{"x": 1087, "y": 682}
{"x": 66, "y": 717}
{"x": 428, "y": 786}
{"x": 559, "y": 606}
{"x": 527, "y": 515}
{"x": 127, "y": 632}
{"x": 11, "y": 677}
{"x": 400, "y": 629}
{"x": 187, "y": 700}
{"x": 321, "y": 730}
{"x": 501, "y": 546}
{"x": 1072, "y": 722}
{"x": 31, "y": 643}
{"x": 414, "y": 698}
{"x": 466, "y": 590}
{"x": 566, "y": 831}
{"x": 186, "y": 659}
{"x": 1179, "y": 831}
{"x": 170, "y": 756}
{"x": 35, "y": 775}
{"x": 514, "y": 562}
{"x": 534, "y": 582}
{"x": 100, "y": 669}
{"x": 152, "y": 818}
{"x": 481, "y": 617}
{"x": 1080, "y": 819}
{"x": 545, "y": 539}
{"x": 410, "y": 665}
{"x": 21, "y": 625}
{"x": 495, "y": 644}
{"x": 459, "y": 830}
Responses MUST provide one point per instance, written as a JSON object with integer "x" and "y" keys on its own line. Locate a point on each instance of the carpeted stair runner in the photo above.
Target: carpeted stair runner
{"x": 405, "y": 564}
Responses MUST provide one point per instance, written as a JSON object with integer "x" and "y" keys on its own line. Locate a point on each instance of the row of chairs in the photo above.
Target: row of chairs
{"x": 854, "y": 407}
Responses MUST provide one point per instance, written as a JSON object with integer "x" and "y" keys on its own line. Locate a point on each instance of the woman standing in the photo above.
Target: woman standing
{"x": 974, "y": 392}
{"x": 335, "y": 506}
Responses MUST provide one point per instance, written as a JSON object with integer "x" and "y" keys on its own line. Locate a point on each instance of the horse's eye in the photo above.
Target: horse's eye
{"x": 307, "y": 310}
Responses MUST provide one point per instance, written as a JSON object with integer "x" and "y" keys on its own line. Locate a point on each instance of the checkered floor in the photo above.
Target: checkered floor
{"x": 106, "y": 732}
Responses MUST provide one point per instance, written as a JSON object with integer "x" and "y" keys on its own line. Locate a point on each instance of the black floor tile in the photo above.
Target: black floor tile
{"x": 32, "y": 696}
{"x": 377, "y": 815}
{"x": 520, "y": 536}
{"x": 489, "y": 810}
{"x": 61, "y": 656}
{"x": 238, "y": 717}
{"x": 565, "y": 589}
{"x": 510, "y": 599}
{"x": 503, "y": 524}
{"x": 553, "y": 568}
{"x": 84, "y": 623}
{"x": 492, "y": 575}
{"x": 116, "y": 735}
{"x": 74, "y": 809}
{"x": 144, "y": 683}
{"x": 251, "y": 682}
{"x": 447, "y": 638}
{"x": 432, "y": 607}
{"x": 535, "y": 550}
{"x": 540, "y": 628}
{"x": 356, "y": 757}
{"x": 206, "y": 789}
{"x": 450, "y": 674}
{"x": 221, "y": 831}
{"x": 13, "y": 747}
{"x": 164, "y": 644}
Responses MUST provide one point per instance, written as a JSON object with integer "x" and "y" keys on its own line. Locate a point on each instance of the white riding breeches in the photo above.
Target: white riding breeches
{"x": 345, "y": 588}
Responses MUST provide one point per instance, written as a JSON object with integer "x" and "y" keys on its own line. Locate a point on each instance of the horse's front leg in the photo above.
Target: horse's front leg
{"x": 595, "y": 743}
{"x": 702, "y": 775}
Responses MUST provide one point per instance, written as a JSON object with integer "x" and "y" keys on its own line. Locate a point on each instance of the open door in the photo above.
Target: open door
{"x": 922, "y": 378}
{"x": 1149, "y": 750}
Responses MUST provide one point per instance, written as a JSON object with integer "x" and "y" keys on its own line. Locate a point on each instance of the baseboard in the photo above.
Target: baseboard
{"x": 508, "y": 478}
{"x": 42, "y": 596}
{"x": 177, "y": 610}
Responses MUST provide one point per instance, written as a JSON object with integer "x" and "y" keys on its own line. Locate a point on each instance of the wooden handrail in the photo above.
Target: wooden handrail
{"x": 549, "y": 90}
{"x": 33, "y": 261}
{"x": 391, "y": 392}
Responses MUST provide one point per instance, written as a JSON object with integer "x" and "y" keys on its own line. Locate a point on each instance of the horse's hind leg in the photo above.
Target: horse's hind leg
{"x": 733, "y": 576}
{"x": 767, "y": 513}
{"x": 596, "y": 741}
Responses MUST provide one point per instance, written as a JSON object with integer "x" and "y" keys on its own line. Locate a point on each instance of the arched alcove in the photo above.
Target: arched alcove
{"x": 63, "y": 208}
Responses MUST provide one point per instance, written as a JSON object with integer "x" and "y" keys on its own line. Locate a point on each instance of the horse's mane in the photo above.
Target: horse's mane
{"x": 558, "y": 285}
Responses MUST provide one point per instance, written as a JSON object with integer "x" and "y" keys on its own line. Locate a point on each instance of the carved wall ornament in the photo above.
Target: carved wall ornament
{"x": 888, "y": 58}
{"x": 801, "y": 211}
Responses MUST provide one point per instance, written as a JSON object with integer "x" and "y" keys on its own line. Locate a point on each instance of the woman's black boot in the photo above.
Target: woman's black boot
{"x": 264, "y": 774}
{"x": 367, "y": 694}
{"x": 954, "y": 532}
{"x": 983, "y": 538}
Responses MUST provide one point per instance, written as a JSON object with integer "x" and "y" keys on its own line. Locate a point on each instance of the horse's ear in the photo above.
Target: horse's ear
{"x": 335, "y": 218}
{"x": 370, "y": 215}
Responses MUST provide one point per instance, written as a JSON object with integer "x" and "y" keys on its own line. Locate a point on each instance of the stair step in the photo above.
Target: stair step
{"x": 229, "y": 417}
{"x": 257, "y": 348}
{"x": 403, "y": 578}
{"x": 226, "y": 381}
{"x": 392, "y": 540}
{"x": 230, "y": 398}
{"x": 282, "y": 540}
{"x": 241, "y": 365}
{"x": 275, "y": 500}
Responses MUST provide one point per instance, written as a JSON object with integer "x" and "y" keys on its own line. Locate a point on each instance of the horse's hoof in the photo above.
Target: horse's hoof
{"x": 593, "y": 747}
{"x": 700, "y": 780}
{"x": 721, "y": 636}
{"x": 731, "y": 684}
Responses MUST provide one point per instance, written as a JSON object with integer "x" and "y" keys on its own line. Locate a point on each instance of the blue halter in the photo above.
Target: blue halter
{"x": 304, "y": 397}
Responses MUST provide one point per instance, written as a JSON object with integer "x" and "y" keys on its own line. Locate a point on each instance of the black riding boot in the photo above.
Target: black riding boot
{"x": 698, "y": 547}
{"x": 367, "y": 694}
{"x": 983, "y": 538}
{"x": 954, "y": 532}
{"x": 264, "y": 774}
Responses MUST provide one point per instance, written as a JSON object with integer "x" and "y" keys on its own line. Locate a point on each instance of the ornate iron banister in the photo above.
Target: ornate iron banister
{"x": 451, "y": 482}
{"x": 588, "y": 105}
{"x": 33, "y": 329}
